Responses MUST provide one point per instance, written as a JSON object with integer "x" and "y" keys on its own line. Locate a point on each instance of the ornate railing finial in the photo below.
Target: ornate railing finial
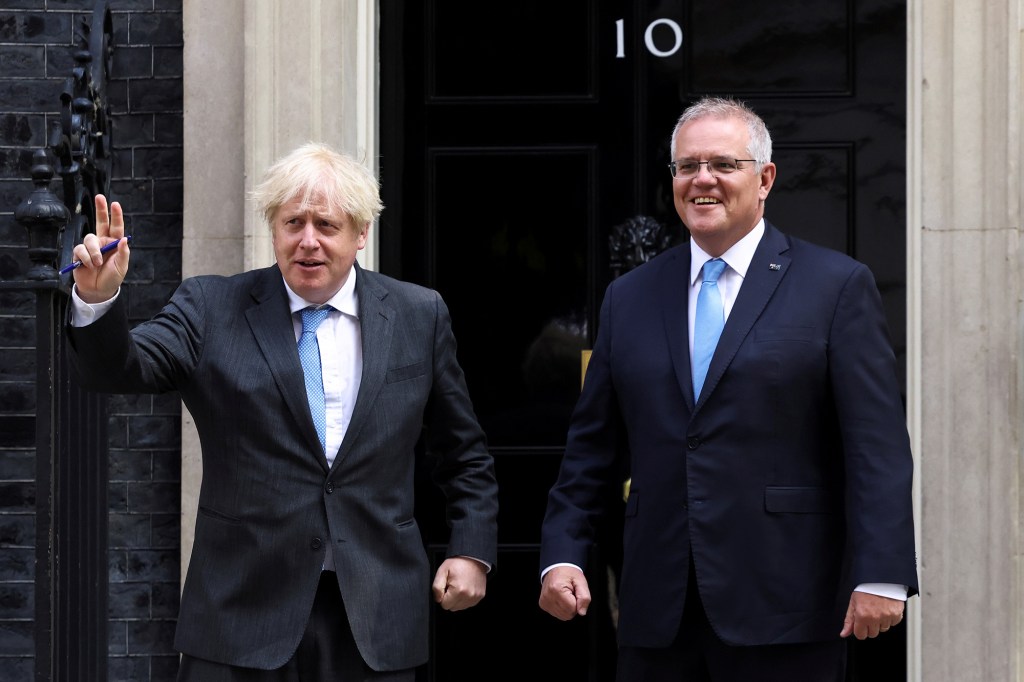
{"x": 44, "y": 215}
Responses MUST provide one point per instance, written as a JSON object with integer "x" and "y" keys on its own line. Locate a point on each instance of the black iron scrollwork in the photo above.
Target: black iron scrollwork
{"x": 636, "y": 241}
{"x": 81, "y": 139}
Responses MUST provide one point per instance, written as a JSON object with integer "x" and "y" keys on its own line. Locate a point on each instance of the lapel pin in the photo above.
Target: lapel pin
{"x": 774, "y": 266}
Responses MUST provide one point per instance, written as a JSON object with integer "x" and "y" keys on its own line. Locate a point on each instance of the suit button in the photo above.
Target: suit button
{"x": 329, "y": 487}
{"x": 693, "y": 443}
{"x": 316, "y": 543}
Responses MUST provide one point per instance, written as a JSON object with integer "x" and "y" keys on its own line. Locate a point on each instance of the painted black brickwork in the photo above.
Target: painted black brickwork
{"x": 145, "y": 99}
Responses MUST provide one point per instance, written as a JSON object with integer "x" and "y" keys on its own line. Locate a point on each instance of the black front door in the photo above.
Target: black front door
{"x": 519, "y": 139}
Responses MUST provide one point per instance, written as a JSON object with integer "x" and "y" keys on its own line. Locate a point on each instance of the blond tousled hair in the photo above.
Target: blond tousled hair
{"x": 318, "y": 175}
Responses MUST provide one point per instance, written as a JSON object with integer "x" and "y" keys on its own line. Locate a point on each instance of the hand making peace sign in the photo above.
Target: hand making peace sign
{"x": 100, "y": 275}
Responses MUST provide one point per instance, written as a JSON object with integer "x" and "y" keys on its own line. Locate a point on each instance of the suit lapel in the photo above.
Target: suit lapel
{"x": 271, "y": 324}
{"x": 767, "y": 268}
{"x": 673, "y": 289}
{"x": 376, "y": 325}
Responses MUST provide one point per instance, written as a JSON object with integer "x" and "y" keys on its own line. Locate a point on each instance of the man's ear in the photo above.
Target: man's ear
{"x": 767, "y": 180}
{"x": 364, "y": 234}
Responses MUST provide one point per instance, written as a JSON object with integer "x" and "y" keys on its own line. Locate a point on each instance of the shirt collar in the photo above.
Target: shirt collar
{"x": 737, "y": 257}
{"x": 345, "y": 300}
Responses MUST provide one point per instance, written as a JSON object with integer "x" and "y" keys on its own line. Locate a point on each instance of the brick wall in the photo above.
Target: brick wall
{"x": 37, "y": 41}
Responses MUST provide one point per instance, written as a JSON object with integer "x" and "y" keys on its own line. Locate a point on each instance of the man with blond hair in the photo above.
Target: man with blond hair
{"x": 318, "y": 388}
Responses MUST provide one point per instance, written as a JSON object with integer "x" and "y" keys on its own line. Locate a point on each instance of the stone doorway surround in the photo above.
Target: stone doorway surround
{"x": 964, "y": 191}
{"x": 272, "y": 74}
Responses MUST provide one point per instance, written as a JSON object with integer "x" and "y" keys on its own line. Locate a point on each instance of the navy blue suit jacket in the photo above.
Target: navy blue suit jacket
{"x": 789, "y": 477}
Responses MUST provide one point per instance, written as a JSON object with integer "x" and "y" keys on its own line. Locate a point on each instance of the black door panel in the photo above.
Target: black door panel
{"x": 516, "y": 138}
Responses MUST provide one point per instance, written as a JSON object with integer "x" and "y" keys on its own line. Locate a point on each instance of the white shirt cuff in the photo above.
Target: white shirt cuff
{"x": 890, "y": 590}
{"x": 545, "y": 571}
{"x": 84, "y": 314}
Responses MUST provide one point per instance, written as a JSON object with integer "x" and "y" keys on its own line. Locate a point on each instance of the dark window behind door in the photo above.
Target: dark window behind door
{"x": 516, "y": 136}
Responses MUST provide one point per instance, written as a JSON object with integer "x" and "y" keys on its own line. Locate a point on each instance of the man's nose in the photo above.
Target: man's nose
{"x": 310, "y": 237}
{"x": 704, "y": 174}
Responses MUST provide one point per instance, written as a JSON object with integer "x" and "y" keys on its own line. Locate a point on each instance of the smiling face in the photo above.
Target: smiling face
{"x": 314, "y": 249}
{"x": 719, "y": 210}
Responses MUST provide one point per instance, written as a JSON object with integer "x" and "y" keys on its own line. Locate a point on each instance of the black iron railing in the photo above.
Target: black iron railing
{"x": 71, "y": 581}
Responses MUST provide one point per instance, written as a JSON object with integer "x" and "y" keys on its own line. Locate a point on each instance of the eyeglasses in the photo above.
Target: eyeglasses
{"x": 688, "y": 168}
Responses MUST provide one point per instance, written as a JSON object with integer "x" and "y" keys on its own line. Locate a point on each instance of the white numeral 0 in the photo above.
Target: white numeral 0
{"x": 677, "y": 31}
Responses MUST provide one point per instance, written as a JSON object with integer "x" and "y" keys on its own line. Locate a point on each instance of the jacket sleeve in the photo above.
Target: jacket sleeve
{"x": 463, "y": 467}
{"x": 876, "y": 445}
{"x": 154, "y": 357}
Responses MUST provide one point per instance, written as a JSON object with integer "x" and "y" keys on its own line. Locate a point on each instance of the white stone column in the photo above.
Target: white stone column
{"x": 965, "y": 378}
{"x": 262, "y": 77}
{"x": 310, "y": 74}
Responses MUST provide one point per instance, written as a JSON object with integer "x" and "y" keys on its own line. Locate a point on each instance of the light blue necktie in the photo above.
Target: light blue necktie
{"x": 707, "y": 326}
{"x": 309, "y": 355}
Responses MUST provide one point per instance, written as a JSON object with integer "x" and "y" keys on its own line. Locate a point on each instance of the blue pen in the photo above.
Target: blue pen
{"x": 106, "y": 248}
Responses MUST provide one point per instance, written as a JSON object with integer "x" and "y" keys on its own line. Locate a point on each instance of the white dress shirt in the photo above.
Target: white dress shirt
{"x": 341, "y": 357}
{"x": 737, "y": 260}
{"x": 341, "y": 362}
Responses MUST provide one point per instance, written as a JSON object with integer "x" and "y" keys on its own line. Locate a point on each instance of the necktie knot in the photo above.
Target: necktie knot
{"x": 313, "y": 316}
{"x": 713, "y": 270}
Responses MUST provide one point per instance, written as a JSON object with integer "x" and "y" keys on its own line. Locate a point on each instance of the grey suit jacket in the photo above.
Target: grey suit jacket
{"x": 268, "y": 502}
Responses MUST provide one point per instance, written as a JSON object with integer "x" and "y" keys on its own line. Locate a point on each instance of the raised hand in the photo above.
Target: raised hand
{"x": 100, "y": 275}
